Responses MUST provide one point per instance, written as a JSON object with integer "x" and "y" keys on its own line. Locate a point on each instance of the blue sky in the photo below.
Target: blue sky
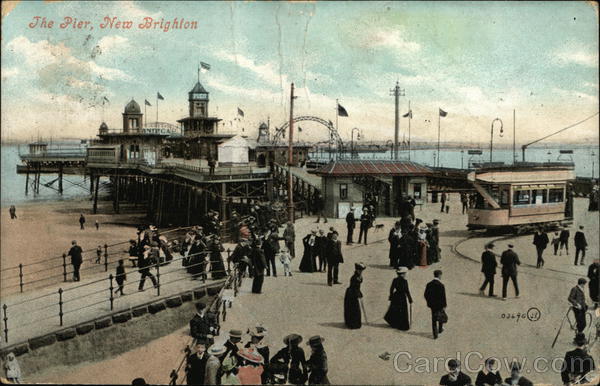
{"x": 476, "y": 61}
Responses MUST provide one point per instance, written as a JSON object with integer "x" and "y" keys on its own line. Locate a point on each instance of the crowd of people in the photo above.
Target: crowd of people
{"x": 252, "y": 362}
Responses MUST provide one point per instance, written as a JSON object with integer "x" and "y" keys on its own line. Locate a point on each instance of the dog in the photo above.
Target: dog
{"x": 378, "y": 227}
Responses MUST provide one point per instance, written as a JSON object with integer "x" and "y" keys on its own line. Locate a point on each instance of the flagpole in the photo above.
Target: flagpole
{"x": 157, "y": 107}
{"x": 145, "y": 113}
{"x": 337, "y": 113}
{"x": 438, "y": 143}
{"x": 409, "y": 118}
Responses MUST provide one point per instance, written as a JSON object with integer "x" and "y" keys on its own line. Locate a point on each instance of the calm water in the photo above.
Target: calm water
{"x": 13, "y": 185}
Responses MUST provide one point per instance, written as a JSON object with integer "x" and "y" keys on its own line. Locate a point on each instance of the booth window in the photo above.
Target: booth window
{"x": 417, "y": 191}
{"x": 343, "y": 191}
{"x": 539, "y": 196}
{"x": 556, "y": 195}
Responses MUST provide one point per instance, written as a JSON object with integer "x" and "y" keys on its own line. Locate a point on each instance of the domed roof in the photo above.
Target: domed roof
{"x": 133, "y": 108}
{"x": 103, "y": 126}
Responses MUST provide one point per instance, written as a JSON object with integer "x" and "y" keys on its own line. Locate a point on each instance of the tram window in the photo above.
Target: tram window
{"x": 504, "y": 198}
{"x": 556, "y": 195}
{"x": 521, "y": 197}
{"x": 539, "y": 196}
{"x": 343, "y": 191}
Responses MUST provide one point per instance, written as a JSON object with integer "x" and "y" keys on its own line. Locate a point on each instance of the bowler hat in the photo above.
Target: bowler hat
{"x": 580, "y": 339}
{"x": 235, "y": 334}
{"x": 292, "y": 338}
{"x": 511, "y": 246}
{"x": 490, "y": 246}
{"x": 401, "y": 270}
{"x": 359, "y": 266}
{"x": 315, "y": 340}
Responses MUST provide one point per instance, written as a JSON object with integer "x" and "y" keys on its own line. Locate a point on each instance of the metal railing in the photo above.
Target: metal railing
{"x": 159, "y": 282}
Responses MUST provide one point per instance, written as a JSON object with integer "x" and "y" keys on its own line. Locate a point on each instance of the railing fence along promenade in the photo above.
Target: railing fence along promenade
{"x": 57, "y": 299}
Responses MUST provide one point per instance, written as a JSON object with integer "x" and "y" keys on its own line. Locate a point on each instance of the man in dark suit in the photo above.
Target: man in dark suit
{"x": 196, "y": 364}
{"x": 394, "y": 240}
{"x": 365, "y": 223}
{"x": 321, "y": 250}
{"x": 509, "y": 261}
{"x": 350, "y": 224}
{"x": 488, "y": 267}
{"x": 564, "y": 239}
{"x": 580, "y": 245}
{"x": 76, "y": 259}
{"x": 540, "y": 240}
{"x": 233, "y": 343}
{"x": 577, "y": 363}
{"x": 577, "y": 300}
{"x": 435, "y": 295}
{"x": 334, "y": 258}
{"x": 200, "y": 327}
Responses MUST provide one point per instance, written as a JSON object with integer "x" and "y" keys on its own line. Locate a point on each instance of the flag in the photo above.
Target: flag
{"x": 408, "y": 115}
{"x": 204, "y": 67}
{"x": 146, "y": 102}
{"x": 240, "y": 112}
{"x": 342, "y": 111}
{"x": 443, "y": 113}
{"x": 160, "y": 96}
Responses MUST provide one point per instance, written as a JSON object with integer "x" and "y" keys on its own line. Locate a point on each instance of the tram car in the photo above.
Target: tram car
{"x": 521, "y": 197}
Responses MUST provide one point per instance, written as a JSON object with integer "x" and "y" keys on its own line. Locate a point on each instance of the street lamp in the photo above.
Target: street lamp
{"x": 492, "y": 136}
{"x": 593, "y": 159}
{"x": 352, "y": 141}
{"x": 462, "y": 153}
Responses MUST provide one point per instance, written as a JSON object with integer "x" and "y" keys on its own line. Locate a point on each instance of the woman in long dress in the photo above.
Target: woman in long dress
{"x": 397, "y": 314}
{"x": 352, "y": 316}
{"x": 422, "y": 247}
{"x": 308, "y": 258}
{"x": 217, "y": 268}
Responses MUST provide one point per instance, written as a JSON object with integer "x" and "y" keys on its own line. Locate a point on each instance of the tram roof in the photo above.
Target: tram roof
{"x": 524, "y": 172}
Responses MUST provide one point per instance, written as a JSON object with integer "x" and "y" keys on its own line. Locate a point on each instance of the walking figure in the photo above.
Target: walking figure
{"x": 98, "y": 254}
{"x": 76, "y": 259}
{"x": 81, "y": 221}
{"x": 13, "y": 212}
{"x": 121, "y": 276}
{"x": 97, "y": 225}
{"x": 509, "y": 261}
{"x": 580, "y": 245}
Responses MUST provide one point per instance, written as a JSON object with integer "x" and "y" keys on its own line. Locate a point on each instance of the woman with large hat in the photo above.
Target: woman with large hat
{"x": 251, "y": 366}
{"x": 257, "y": 343}
{"x": 289, "y": 359}
{"x": 352, "y": 316}
{"x": 317, "y": 363}
{"x": 397, "y": 314}
{"x": 308, "y": 258}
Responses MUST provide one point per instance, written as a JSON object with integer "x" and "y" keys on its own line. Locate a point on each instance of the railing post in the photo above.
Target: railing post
{"x": 235, "y": 280}
{"x": 111, "y": 288}
{"x": 60, "y": 305}
{"x": 105, "y": 258}
{"x": 64, "y": 256}
{"x": 21, "y": 276}
{"x": 4, "y": 307}
{"x": 157, "y": 279}
{"x": 228, "y": 262}
{"x": 224, "y": 311}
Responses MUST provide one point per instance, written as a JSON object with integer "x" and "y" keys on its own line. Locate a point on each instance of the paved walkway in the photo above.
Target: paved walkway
{"x": 479, "y": 327}
{"x": 36, "y": 313}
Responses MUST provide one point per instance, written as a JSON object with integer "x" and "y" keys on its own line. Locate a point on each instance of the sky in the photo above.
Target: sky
{"x": 476, "y": 61}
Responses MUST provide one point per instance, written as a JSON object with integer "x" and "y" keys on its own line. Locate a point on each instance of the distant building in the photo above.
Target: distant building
{"x": 267, "y": 153}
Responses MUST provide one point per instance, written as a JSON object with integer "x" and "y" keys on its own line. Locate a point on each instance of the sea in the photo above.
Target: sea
{"x": 12, "y": 184}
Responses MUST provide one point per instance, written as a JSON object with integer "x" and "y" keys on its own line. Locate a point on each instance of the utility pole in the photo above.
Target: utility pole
{"x": 514, "y": 138}
{"x": 397, "y": 92}
{"x": 409, "y": 119}
{"x": 291, "y": 157}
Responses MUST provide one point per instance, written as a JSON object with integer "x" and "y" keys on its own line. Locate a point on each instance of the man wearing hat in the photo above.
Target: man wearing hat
{"x": 580, "y": 245}
{"x": 350, "y": 224}
{"x": 235, "y": 337}
{"x": 289, "y": 359}
{"x": 213, "y": 370}
{"x": 509, "y": 261}
{"x": 200, "y": 326}
{"x": 488, "y": 267}
{"x": 334, "y": 259}
{"x": 196, "y": 364}
{"x": 365, "y": 223}
{"x": 577, "y": 300}
{"x": 394, "y": 240}
{"x": 564, "y": 239}
{"x": 317, "y": 363}
{"x": 455, "y": 377}
{"x": 435, "y": 295}
{"x": 515, "y": 376}
{"x": 577, "y": 362}
{"x": 76, "y": 259}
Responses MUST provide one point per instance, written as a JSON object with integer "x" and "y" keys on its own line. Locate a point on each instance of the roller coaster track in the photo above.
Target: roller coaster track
{"x": 334, "y": 136}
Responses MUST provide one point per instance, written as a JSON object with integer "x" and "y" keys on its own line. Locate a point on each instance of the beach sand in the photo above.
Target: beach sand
{"x": 44, "y": 231}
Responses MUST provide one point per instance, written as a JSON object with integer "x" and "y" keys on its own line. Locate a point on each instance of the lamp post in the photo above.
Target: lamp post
{"x": 352, "y": 141}
{"x": 462, "y": 153}
{"x": 593, "y": 159}
{"x": 492, "y": 136}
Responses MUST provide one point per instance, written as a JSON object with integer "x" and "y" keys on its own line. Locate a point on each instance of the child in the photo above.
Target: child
{"x": 555, "y": 242}
{"x": 98, "y": 254}
{"x": 97, "y": 225}
{"x": 121, "y": 277}
{"x": 286, "y": 259}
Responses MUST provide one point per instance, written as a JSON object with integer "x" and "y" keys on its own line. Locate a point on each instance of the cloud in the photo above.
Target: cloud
{"x": 392, "y": 38}
{"x": 130, "y": 9}
{"x": 10, "y": 72}
{"x": 575, "y": 55}
{"x": 113, "y": 43}
{"x": 266, "y": 71}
